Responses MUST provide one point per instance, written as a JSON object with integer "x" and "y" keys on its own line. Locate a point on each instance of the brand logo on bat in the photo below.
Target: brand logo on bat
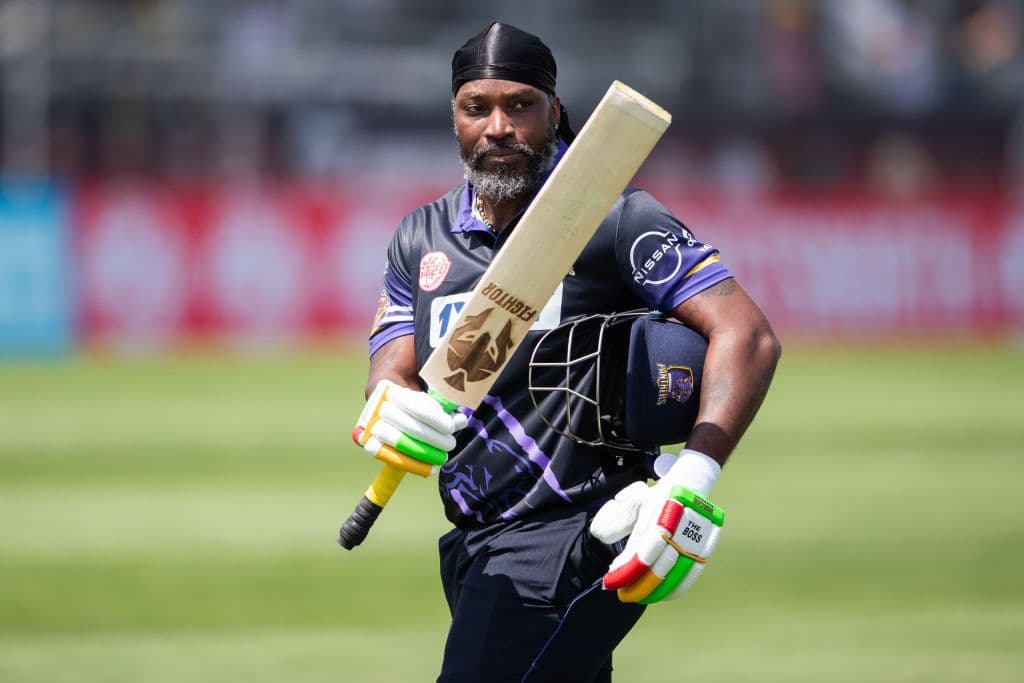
{"x": 511, "y": 304}
{"x": 674, "y": 382}
{"x": 473, "y": 354}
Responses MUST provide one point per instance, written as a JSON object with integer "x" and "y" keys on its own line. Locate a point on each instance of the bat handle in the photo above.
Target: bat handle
{"x": 354, "y": 530}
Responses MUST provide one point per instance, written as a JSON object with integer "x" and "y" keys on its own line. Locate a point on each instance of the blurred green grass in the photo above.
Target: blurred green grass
{"x": 174, "y": 520}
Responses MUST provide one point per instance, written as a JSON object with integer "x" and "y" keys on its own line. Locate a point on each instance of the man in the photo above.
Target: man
{"x": 522, "y": 569}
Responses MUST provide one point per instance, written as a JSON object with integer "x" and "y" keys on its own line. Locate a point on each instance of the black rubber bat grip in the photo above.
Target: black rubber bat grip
{"x": 357, "y": 526}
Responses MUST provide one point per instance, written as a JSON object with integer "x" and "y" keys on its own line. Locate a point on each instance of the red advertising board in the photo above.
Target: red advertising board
{"x": 860, "y": 263}
{"x": 161, "y": 264}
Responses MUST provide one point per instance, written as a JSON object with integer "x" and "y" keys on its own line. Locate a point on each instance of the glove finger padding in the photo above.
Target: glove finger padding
{"x": 408, "y": 429}
{"x": 425, "y": 409}
{"x": 393, "y": 415}
{"x": 665, "y": 555}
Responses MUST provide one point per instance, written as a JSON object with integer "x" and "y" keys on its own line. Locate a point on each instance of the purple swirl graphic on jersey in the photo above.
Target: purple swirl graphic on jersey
{"x": 456, "y": 495}
{"x": 528, "y": 444}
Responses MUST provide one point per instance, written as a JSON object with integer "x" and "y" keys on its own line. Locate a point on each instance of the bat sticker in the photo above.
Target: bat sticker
{"x": 471, "y": 352}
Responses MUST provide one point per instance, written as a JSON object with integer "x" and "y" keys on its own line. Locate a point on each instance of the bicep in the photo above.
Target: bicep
{"x": 396, "y": 361}
{"x": 721, "y": 308}
{"x": 742, "y": 355}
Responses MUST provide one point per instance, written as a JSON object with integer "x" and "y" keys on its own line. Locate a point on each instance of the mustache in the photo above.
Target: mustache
{"x": 501, "y": 147}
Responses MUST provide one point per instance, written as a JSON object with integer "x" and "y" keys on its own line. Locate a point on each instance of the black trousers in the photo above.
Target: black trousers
{"x": 527, "y": 604}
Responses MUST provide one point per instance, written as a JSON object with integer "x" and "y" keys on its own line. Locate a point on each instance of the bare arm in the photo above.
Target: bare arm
{"x": 742, "y": 354}
{"x": 395, "y": 361}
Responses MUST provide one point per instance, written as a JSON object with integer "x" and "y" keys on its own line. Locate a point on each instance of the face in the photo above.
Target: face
{"x": 506, "y": 136}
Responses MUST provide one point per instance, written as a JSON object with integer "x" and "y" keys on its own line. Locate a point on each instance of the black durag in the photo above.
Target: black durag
{"x": 507, "y": 53}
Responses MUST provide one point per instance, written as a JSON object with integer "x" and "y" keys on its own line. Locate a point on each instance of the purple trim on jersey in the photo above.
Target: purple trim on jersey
{"x": 476, "y": 423}
{"x": 528, "y": 444}
{"x": 707, "y": 276}
{"x": 399, "y": 295}
{"x": 467, "y": 222}
{"x": 390, "y": 333}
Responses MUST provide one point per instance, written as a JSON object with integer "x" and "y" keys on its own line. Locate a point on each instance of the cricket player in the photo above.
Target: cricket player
{"x": 556, "y": 547}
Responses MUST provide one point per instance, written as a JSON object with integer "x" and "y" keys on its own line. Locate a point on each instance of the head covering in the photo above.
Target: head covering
{"x": 507, "y": 53}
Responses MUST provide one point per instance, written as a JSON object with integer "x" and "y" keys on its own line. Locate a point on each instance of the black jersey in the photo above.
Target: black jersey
{"x": 508, "y": 464}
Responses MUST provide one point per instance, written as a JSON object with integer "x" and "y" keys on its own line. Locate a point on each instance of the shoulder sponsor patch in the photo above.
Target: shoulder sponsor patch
{"x": 434, "y": 268}
{"x": 655, "y": 257}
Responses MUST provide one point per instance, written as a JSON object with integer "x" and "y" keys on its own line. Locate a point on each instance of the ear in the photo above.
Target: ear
{"x": 556, "y": 110}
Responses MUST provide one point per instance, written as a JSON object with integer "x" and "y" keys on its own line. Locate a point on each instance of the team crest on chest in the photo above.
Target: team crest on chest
{"x": 434, "y": 268}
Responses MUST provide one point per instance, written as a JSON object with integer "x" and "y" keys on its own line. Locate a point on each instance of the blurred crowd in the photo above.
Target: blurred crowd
{"x": 895, "y": 94}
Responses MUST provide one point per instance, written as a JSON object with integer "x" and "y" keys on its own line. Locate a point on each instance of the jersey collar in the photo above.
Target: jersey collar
{"x": 467, "y": 222}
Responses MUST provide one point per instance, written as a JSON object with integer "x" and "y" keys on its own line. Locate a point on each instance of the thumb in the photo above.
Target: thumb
{"x": 616, "y": 518}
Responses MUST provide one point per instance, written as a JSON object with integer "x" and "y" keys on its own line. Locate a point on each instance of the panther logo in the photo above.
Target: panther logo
{"x": 472, "y": 354}
{"x": 674, "y": 382}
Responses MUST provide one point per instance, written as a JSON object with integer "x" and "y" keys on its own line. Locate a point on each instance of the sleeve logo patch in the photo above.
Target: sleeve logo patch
{"x": 433, "y": 269}
{"x": 655, "y": 257}
{"x": 382, "y": 310}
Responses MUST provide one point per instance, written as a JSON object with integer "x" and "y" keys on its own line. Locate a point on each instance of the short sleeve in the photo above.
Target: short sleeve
{"x": 660, "y": 259}
{"x": 394, "y": 317}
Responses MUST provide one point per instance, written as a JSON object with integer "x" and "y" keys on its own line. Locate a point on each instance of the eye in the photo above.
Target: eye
{"x": 523, "y": 104}
{"x": 473, "y": 109}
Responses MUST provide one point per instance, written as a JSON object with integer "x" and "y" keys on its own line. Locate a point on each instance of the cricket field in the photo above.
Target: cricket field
{"x": 174, "y": 519}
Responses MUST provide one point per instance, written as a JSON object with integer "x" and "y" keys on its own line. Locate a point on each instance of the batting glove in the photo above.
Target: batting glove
{"x": 411, "y": 430}
{"x": 672, "y": 528}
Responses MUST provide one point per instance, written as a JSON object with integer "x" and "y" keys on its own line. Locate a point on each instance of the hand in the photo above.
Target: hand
{"x": 411, "y": 430}
{"x": 672, "y": 530}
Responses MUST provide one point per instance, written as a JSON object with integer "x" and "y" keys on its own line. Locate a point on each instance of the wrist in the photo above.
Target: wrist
{"x": 691, "y": 469}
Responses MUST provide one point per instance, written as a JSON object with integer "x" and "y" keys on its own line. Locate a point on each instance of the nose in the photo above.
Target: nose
{"x": 499, "y": 125}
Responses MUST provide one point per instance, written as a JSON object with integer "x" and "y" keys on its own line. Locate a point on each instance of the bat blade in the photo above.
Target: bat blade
{"x": 580, "y": 192}
{"x": 562, "y": 218}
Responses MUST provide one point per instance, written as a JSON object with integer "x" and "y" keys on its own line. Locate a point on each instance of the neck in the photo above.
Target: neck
{"x": 502, "y": 213}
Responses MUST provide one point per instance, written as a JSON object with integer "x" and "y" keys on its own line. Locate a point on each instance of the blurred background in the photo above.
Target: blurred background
{"x": 195, "y": 199}
{"x": 179, "y": 170}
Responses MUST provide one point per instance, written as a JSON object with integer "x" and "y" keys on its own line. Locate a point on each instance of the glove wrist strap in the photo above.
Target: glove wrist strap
{"x": 691, "y": 469}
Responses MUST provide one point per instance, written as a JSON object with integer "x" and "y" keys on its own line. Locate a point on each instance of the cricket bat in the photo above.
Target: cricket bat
{"x": 564, "y": 215}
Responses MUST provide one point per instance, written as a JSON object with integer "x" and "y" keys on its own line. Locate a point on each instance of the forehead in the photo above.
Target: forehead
{"x": 495, "y": 88}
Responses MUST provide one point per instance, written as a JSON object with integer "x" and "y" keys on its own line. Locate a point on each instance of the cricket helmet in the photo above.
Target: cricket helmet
{"x": 629, "y": 381}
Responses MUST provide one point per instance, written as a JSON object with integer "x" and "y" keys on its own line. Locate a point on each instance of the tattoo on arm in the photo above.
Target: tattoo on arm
{"x": 694, "y": 304}
{"x": 386, "y": 355}
{"x": 723, "y": 288}
{"x": 718, "y": 393}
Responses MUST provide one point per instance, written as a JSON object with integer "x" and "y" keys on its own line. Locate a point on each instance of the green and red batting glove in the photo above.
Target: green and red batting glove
{"x": 410, "y": 430}
{"x": 672, "y": 528}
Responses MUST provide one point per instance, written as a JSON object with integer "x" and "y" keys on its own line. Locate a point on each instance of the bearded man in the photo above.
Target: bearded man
{"x": 538, "y": 518}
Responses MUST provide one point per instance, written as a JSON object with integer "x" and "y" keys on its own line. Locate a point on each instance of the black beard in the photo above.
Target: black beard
{"x": 505, "y": 183}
